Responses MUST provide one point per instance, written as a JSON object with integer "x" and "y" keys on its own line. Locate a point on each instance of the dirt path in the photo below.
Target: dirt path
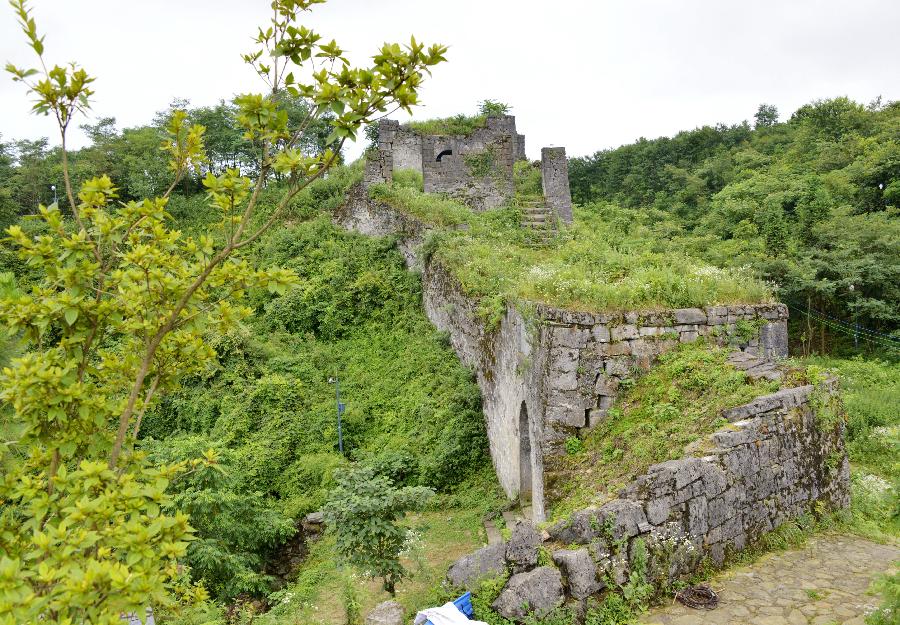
{"x": 824, "y": 583}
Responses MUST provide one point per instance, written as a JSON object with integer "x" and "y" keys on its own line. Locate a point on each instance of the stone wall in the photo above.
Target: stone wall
{"x": 479, "y": 176}
{"x": 476, "y": 168}
{"x": 777, "y": 460}
{"x": 590, "y": 353}
{"x": 555, "y": 181}
{"x": 544, "y": 372}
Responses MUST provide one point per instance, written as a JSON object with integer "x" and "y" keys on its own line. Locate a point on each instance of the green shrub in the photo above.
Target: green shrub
{"x": 455, "y": 125}
{"x": 236, "y": 527}
{"x": 889, "y": 612}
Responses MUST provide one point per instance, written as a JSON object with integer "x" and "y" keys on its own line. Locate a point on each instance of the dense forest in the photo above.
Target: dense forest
{"x": 810, "y": 204}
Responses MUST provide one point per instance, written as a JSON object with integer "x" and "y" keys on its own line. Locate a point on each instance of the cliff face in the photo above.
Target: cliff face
{"x": 544, "y": 372}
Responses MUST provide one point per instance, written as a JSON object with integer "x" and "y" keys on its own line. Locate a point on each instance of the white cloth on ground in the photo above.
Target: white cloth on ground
{"x": 447, "y": 614}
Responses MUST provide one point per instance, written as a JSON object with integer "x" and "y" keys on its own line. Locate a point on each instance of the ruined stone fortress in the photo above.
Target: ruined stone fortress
{"x": 476, "y": 168}
{"x": 546, "y": 374}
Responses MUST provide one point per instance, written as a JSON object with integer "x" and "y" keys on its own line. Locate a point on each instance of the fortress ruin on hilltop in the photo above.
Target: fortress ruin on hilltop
{"x": 476, "y": 168}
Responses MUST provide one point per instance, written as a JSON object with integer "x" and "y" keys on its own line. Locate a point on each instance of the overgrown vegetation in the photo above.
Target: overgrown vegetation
{"x": 447, "y": 126}
{"x": 810, "y": 205}
{"x": 609, "y": 259}
{"x": 654, "y": 418}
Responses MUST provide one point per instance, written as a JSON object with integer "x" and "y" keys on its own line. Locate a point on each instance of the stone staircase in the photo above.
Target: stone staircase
{"x": 537, "y": 216}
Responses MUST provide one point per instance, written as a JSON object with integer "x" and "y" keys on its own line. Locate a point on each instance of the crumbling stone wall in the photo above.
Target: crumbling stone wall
{"x": 544, "y": 372}
{"x": 476, "y": 168}
{"x": 589, "y": 354}
{"x": 778, "y": 459}
{"x": 481, "y": 177}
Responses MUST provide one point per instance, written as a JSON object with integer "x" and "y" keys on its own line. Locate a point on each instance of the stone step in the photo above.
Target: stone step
{"x": 511, "y": 516}
{"x": 493, "y": 534}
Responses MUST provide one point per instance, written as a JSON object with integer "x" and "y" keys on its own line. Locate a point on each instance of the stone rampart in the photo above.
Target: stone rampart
{"x": 779, "y": 458}
{"x": 544, "y": 372}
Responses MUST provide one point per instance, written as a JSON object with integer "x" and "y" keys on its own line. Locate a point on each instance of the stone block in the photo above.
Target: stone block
{"x": 600, "y": 333}
{"x": 596, "y": 416}
{"x": 575, "y": 338}
{"x": 697, "y": 522}
{"x": 623, "y": 516}
{"x": 624, "y": 332}
{"x": 716, "y": 315}
{"x": 606, "y": 385}
{"x": 485, "y": 563}
{"x": 563, "y": 360}
{"x": 580, "y": 528}
{"x": 539, "y": 591}
{"x": 658, "y": 510}
{"x": 522, "y": 547}
{"x": 387, "y": 613}
{"x": 690, "y": 315}
{"x": 715, "y": 481}
{"x": 618, "y": 367}
{"x": 579, "y": 571}
{"x": 568, "y": 414}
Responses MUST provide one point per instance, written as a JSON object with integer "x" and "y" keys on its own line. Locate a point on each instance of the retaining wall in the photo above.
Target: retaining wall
{"x": 778, "y": 459}
{"x": 546, "y": 372}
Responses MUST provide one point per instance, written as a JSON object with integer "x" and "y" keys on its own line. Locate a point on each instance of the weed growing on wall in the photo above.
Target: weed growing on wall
{"x": 456, "y": 125}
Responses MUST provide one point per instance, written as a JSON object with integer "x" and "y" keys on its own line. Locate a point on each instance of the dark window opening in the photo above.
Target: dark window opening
{"x": 443, "y": 154}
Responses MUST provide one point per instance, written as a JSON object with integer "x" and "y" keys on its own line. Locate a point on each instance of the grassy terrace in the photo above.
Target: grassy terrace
{"x": 609, "y": 259}
{"x": 678, "y": 402}
{"x": 455, "y": 125}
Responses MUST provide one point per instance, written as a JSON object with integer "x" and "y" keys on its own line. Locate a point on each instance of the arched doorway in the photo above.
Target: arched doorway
{"x": 443, "y": 154}
{"x": 524, "y": 456}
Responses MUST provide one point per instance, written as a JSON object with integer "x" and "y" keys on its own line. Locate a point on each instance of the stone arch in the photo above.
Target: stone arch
{"x": 525, "y": 476}
{"x": 443, "y": 154}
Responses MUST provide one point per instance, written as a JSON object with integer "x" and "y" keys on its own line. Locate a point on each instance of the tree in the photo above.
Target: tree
{"x": 86, "y": 531}
{"x": 766, "y": 116}
{"x": 362, "y": 512}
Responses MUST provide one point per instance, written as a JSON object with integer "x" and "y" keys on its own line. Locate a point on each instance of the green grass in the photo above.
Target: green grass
{"x": 678, "y": 402}
{"x": 451, "y": 528}
{"x": 609, "y": 259}
{"x": 871, "y": 393}
{"x": 455, "y": 125}
{"x": 432, "y": 209}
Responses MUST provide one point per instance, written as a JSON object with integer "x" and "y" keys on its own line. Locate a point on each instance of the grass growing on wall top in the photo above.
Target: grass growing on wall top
{"x": 609, "y": 259}
{"x": 455, "y": 125}
{"x": 679, "y": 401}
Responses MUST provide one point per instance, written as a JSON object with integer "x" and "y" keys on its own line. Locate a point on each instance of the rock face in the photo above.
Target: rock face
{"x": 580, "y": 572}
{"x": 546, "y": 373}
{"x": 387, "y": 613}
{"x": 522, "y": 548}
{"x": 538, "y": 591}
{"x": 485, "y": 563}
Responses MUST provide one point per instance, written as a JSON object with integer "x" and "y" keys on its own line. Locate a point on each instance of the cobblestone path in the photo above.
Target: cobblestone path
{"x": 824, "y": 583}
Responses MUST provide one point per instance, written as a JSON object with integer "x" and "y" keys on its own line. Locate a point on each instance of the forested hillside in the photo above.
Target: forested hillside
{"x": 810, "y": 204}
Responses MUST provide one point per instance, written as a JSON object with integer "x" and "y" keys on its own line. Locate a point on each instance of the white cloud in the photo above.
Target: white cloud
{"x": 584, "y": 74}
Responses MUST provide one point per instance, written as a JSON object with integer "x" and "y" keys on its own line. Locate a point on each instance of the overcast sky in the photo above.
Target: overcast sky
{"x": 587, "y": 75}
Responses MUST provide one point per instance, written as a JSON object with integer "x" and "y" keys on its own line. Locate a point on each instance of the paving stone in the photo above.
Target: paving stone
{"x": 772, "y": 591}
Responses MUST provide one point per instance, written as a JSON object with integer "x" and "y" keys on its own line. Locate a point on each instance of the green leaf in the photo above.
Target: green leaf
{"x": 71, "y": 315}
